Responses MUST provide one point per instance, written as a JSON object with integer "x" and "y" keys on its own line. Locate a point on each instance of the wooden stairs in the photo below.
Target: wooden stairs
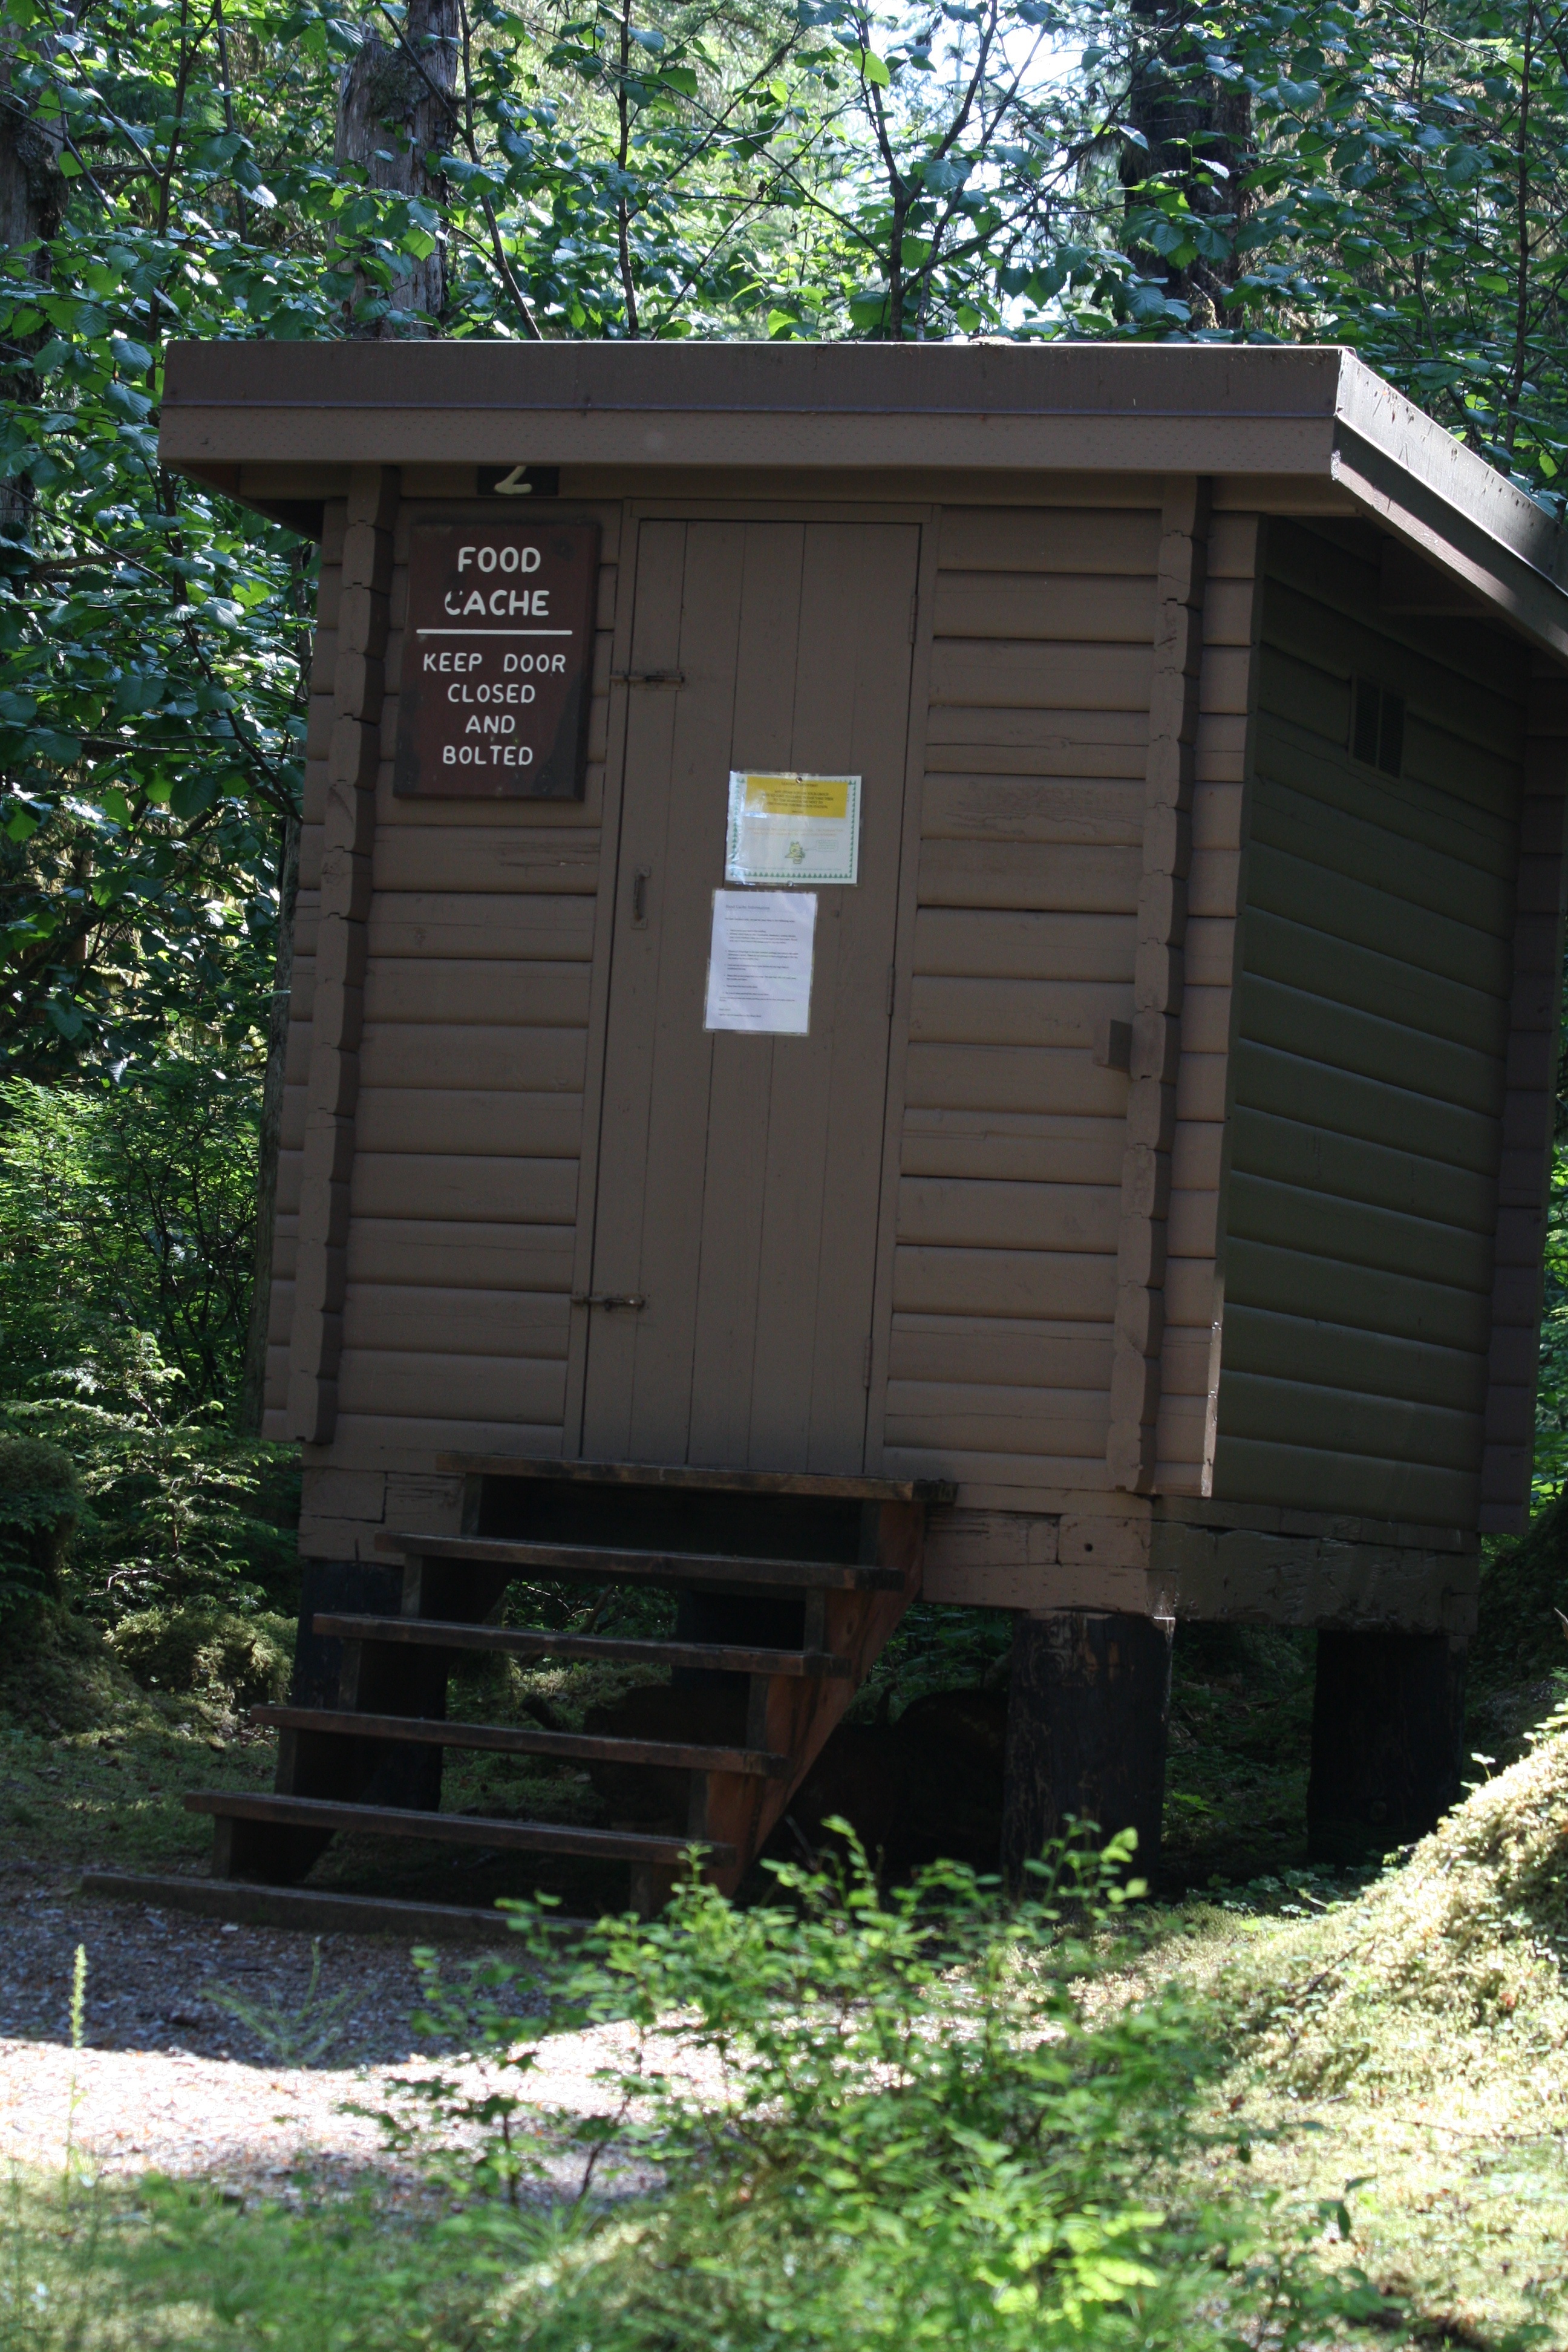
{"x": 788, "y": 1587}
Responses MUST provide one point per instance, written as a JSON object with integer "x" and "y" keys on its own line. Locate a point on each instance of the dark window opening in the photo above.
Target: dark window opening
{"x": 1377, "y": 731}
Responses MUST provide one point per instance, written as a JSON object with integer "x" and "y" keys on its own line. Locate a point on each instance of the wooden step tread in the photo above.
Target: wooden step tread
{"x": 536, "y": 1641}
{"x": 507, "y": 1739}
{"x": 647, "y": 1567}
{"x": 813, "y": 1485}
{"x": 319, "y": 1910}
{"x": 456, "y": 1829}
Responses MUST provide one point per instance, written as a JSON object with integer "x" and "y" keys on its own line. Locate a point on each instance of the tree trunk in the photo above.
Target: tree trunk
{"x": 1182, "y": 122}
{"x": 253, "y": 1391}
{"x": 394, "y": 112}
{"x": 1088, "y": 1711}
{"x": 1388, "y": 1714}
{"x": 32, "y": 204}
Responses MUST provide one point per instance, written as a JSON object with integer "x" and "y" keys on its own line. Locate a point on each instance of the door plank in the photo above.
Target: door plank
{"x": 859, "y": 638}
{"x": 746, "y": 1071}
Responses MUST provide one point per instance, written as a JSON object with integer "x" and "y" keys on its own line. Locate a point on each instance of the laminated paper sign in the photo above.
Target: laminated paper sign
{"x": 759, "y": 964}
{"x": 790, "y": 829}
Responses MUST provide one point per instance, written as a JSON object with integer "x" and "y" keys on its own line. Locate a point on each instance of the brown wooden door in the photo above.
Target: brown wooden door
{"x": 739, "y": 1175}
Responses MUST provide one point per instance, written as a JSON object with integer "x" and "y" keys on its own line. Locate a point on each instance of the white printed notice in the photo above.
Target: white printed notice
{"x": 794, "y": 830}
{"x": 759, "y": 964}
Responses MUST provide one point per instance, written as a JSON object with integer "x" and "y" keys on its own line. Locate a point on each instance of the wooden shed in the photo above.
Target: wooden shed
{"x": 1117, "y": 1196}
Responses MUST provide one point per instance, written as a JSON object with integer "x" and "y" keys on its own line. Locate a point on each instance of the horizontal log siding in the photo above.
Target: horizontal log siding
{"x": 469, "y": 1122}
{"x": 1032, "y": 828}
{"x": 307, "y": 913}
{"x": 1371, "y": 1058}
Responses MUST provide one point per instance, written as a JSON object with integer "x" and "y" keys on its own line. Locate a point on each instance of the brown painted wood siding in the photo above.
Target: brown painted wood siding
{"x": 1026, "y": 933}
{"x": 468, "y": 1118}
{"x": 1369, "y": 1061}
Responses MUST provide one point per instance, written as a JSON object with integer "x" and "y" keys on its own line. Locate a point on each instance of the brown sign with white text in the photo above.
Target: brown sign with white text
{"x": 497, "y": 660}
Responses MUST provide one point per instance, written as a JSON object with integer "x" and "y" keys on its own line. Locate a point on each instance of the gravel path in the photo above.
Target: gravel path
{"x": 168, "y": 2080}
{"x": 149, "y": 1974}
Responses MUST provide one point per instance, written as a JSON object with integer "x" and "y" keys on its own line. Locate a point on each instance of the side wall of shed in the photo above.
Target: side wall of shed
{"x": 1370, "y": 1060}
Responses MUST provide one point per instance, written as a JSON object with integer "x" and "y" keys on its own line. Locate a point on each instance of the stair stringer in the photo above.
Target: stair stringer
{"x": 795, "y": 1717}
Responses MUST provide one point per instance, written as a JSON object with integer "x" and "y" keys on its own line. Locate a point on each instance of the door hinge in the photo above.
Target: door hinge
{"x": 866, "y": 1367}
{"x": 610, "y": 1299}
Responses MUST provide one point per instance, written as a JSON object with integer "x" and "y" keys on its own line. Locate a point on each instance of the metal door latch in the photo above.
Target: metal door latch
{"x": 648, "y": 678}
{"x": 610, "y": 1299}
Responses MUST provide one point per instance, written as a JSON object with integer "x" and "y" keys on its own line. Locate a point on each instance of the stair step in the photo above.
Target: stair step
{"x": 456, "y": 1829}
{"x": 536, "y": 1641}
{"x": 649, "y": 1566}
{"x": 320, "y": 1910}
{"x": 505, "y": 1739}
{"x": 814, "y": 1485}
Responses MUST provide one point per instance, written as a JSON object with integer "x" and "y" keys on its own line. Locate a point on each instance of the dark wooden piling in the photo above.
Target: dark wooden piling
{"x": 1388, "y": 1742}
{"x": 1086, "y": 1719}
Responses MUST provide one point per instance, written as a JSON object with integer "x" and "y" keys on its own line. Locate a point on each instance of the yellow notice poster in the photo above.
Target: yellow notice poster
{"x": 787, "y": 829}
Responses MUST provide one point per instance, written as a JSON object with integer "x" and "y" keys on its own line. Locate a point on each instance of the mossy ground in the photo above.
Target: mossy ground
{"x": 94, "y": 1769}
{"x": 1414, "y": 2039}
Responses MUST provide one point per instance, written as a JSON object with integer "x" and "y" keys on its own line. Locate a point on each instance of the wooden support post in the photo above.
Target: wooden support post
{"x": 1086, "y": 1718}
{"x": 1388, "y": 1718}
{"x": 652, "y": 1884}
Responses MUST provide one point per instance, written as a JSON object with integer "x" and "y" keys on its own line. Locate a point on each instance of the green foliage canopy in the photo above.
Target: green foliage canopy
{"x": 1019, "y": 167}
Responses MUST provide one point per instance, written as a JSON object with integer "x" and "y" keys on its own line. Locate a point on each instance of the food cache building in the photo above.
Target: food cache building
{"x": 1147, "y": 1200}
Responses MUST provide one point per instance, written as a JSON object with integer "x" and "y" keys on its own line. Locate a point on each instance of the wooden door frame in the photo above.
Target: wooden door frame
{"x": 604, "y": 911}
{"x": 635, "y": 511}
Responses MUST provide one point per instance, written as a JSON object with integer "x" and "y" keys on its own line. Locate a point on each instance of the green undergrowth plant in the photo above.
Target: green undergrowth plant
{"x": 1523, "y": 1605}
{"x": 171, "y": 1546}
{"x": 174, "y": 1511}
{"x": 40, "y": 1503}
{"x": 849, "y": 2118}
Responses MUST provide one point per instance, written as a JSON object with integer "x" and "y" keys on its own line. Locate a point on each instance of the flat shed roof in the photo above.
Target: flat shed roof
{"x": 1285, "y": 418}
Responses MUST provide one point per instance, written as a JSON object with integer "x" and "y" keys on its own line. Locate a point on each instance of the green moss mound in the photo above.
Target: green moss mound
{"x": 200, "y": 1648}
{"x": 1470, "y": 1939}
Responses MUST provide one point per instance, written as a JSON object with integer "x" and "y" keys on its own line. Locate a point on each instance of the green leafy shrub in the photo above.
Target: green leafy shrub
{"x": 174, "y": 1513}
{"x": 873, "y": 2119}
{"x": 40, "y": 1503}
{"x": 196, "y": 1647}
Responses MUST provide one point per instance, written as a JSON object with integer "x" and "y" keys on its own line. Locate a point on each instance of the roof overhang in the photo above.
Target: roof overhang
{"x": 1282, "y": 416}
